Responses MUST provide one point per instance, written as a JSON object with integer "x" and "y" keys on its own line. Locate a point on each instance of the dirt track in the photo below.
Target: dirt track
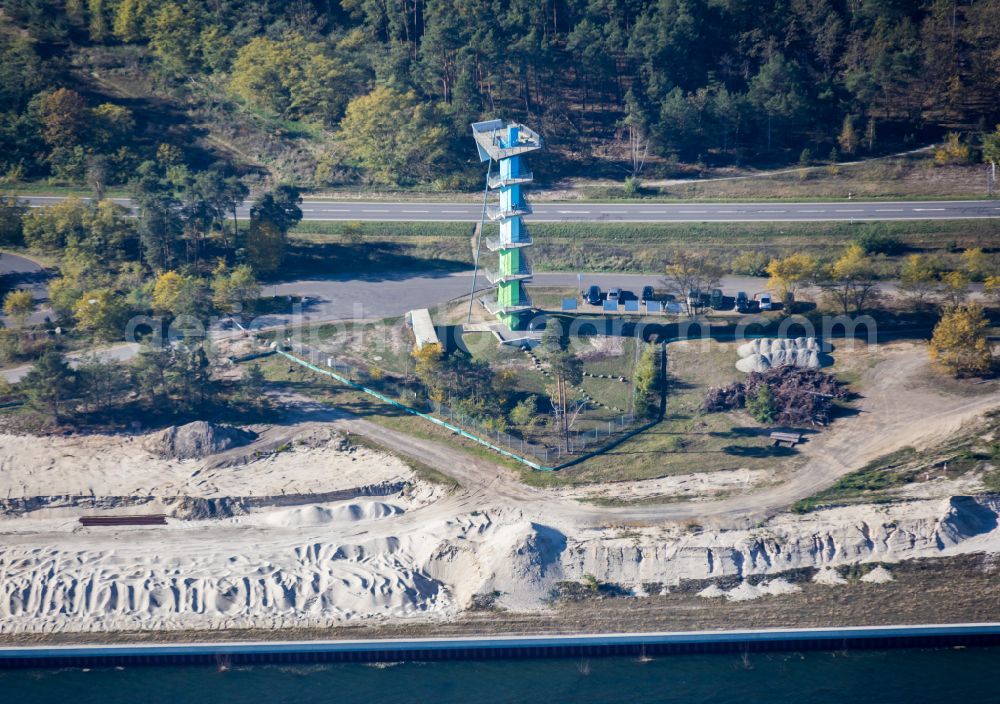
{"x": 896, "y": 410}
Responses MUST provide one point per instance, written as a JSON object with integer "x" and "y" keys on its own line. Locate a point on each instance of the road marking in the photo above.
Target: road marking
{"x": 888, "y": 210}
{"x": 692, "y": 212}
{"x": 664, "y": 212}
{"x": 921, "y": 210}
{"x": 308, "y": 210}
{"x": 367, "y": 210}
{"x": 415, "y": 211}
{"x": 572, "y": 212}
{"x": 857, "y": 210}
{"x": 613, "y": 212}
{"x": 461, "y": 212}
{"x": 813, "y": 211}
{"x": 770, "y": 211}
{"x": 336, "y": 210}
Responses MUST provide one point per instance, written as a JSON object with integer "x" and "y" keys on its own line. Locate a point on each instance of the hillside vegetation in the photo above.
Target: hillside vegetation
{"x": 325, "y": 93}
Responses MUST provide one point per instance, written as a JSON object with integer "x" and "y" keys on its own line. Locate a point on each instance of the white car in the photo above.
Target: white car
{"x": 765, "y": 301}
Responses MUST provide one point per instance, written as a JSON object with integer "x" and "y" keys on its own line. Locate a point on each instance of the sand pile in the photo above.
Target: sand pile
{"x": 829, "y": 576}
{"x": 322, "y": 515}
{"x": 879, "y": 575}
{"x": 196, "y": 440}
{"x": 310, "y": 566}
{"x": 120, "y": 468}
{"x": 747, "y": 592}
{"x": 762, "y": 354}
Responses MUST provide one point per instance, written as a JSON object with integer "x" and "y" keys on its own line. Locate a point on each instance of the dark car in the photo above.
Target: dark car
{"x": 742, "y": 302}
{"x": 648, "y": 294}
{"x": 593, "y": 295}
{"x": 715, "y": 299}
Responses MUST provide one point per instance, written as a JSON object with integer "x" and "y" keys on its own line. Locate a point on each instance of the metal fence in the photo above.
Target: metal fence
{"x": 555, "y": 451}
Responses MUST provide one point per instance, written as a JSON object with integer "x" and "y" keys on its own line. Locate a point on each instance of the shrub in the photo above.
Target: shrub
{"x": 761, "y": 405}
{"x": 874, "y": 239}
{"x": 953, "y": 151}
{"x": 523, "y": 414}
{"x": 751, "y": 263}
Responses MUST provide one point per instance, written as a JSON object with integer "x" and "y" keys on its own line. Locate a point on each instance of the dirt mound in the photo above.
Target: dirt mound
{"x": 197, "y": 440}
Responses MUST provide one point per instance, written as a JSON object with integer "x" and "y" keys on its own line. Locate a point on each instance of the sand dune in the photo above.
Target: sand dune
{"x": 325, "y": 564}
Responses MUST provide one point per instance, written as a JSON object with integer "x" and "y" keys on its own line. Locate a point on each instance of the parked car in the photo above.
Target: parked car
{"x": 715, "y": 299}
{"x": 694, "y": 298}
{"x": 765, "y": 301}
{"x": 593, "y": 295}
{"x": 742, "y": 302}
{"x": 614, "y": 294}
{"x": 648, "y": 294}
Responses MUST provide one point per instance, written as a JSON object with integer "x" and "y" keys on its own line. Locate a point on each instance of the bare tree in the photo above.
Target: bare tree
{"x": 638, "y": 148}
{"x": 691, "y": 270}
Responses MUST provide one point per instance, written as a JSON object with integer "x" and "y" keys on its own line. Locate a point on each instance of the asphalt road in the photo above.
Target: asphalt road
{"x": 352, "y": 297}
{"x": 779, "y": 211}
{"x": 21, "y": 272}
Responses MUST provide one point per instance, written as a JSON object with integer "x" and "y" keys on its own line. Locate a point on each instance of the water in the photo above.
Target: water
{"x": 966, "y": 675}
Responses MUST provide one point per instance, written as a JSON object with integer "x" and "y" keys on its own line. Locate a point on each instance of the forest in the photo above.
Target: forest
{"x": 382, "y": 91}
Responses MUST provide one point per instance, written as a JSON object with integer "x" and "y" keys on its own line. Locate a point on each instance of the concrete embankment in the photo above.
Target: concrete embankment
{"x": 429, "y": 649}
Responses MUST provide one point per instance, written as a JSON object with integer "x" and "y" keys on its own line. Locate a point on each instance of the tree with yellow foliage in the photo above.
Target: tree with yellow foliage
{"x": 428, "y": 366}
{"x": 393, "y": 136}
{"x": 954, "y": 287}
{"x": 959, "y": 345}
{"x": 918, "y": 277}
{"x": 102, "y": 312}
{"x": 991, "y": 287}
{"x": 851, "y": 283}
{"x": 790, "y": 273}
{"x": 17, "y": 306}
{"x": 177, "y": 294}
{"x": 975, "y": 263}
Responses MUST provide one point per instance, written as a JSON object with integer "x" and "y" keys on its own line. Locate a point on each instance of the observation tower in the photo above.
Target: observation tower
{"x": 506, "y": 144}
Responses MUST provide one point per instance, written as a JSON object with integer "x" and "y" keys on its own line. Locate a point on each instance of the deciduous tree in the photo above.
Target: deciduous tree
{"x": 18, "y": 305}
{"x": 959, "y": 345}
{"x": 852, "y": 281}
{"x": 918, "y": 277}
{"x": 691, "y": 270}
{"x": 393, "y": 136}
{"x": 790, "y": 273}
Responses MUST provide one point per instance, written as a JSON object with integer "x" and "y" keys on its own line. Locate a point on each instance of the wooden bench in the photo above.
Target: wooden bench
{"x": 156, "y": 519}
{"x": 779, "y": 439}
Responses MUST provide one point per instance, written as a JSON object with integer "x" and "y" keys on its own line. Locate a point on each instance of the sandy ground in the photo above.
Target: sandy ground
{"x": 121, "y": 465}
{"x": 424, "y": 553}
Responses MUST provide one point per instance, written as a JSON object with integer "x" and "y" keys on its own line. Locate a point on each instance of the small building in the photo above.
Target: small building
{"x": 423, "y": 327}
